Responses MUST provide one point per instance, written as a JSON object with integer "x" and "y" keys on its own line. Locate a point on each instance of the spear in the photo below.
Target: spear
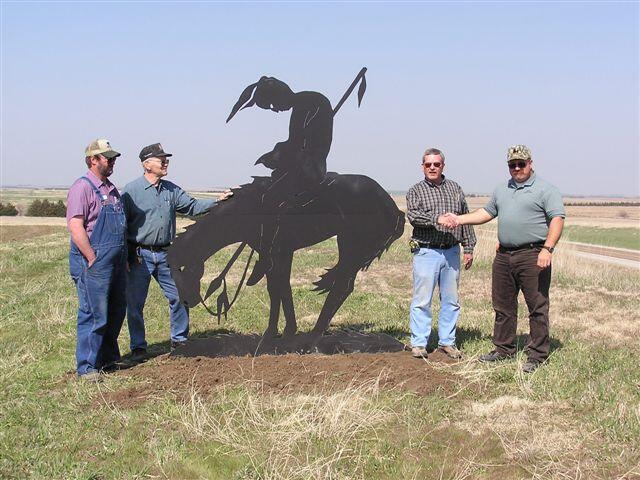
{"x": 361, "y": 90}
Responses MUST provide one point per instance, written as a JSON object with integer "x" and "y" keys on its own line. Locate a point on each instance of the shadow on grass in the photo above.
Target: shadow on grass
{"x": 162, "y": 348}
{"x": 353, "y": 338}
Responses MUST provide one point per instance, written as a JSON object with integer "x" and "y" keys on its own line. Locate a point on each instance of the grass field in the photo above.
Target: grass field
{"x": 577, "y": 417}
{"x": 610, "y": 237}
{"x": 22, "y": 197}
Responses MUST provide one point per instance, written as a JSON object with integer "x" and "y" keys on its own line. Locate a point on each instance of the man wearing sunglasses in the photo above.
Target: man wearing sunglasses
{"x": 97, "y": 257}
{"x": 151, "y": 205}
{"x": 436, "y": 255}
{"x": 530, "y": 221}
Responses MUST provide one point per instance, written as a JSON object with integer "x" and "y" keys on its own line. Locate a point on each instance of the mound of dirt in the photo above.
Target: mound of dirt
{"x": 282, "y": 374}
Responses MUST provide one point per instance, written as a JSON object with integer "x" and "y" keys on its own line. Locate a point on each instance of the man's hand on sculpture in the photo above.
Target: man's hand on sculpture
{"x": 224, "y": 195}
{"x": 448, "y": 220}
{"x": 544, "y": 259}
{"x": 467, "y": 259}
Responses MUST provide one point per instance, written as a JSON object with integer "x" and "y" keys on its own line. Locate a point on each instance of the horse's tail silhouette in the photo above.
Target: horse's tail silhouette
{"x": 328, "y": 279}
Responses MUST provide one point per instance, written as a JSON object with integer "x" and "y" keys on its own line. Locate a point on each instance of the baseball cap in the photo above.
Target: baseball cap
{"x": 518, "y": 152}
{"x": 154, "y": 150}
{"x": 100, "y": 146}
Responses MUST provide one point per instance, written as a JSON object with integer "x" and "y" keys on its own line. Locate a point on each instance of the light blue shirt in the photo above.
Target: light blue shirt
{"x": 151, "y": 212}
{"x": 524, "y": 210}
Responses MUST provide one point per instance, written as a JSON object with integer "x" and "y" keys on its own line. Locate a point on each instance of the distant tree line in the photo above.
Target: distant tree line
{"x": 8, "y": 210}
{"x": 45, "y": 208}
{"x": 602, "y": 204}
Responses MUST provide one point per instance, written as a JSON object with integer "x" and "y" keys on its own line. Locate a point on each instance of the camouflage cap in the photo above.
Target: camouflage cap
{"x": 518, "y": 152}
{"x": 100, "y": 146}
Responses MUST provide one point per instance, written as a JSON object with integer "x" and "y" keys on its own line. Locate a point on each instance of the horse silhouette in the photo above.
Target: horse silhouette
{"x": 298, "y": 206}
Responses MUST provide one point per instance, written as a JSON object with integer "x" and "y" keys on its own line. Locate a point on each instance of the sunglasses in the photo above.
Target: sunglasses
{"x": 164, "y": 161}
{"x": 513, "y": 165}
{"x": 435, "y": 164}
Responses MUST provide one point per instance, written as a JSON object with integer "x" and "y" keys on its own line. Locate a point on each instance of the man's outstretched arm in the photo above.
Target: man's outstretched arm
{"x": 477, "y": 217}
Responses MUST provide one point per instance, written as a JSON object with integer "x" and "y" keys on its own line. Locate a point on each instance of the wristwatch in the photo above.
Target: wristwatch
{"x": 549, "y": 249}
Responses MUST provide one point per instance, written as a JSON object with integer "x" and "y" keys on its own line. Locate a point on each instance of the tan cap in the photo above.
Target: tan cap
{"x": 518, "y": 152}
{"x": 100, "y": 146}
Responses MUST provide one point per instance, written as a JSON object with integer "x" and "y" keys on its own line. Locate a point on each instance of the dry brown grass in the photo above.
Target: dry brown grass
{"x": 543, "y": 438}
{"x": 296, "y": 436}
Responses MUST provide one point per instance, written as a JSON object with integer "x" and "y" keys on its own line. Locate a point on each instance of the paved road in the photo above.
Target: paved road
{"x": 610, "y": 255}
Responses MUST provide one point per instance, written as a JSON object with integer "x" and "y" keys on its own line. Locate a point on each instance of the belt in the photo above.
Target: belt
{"x": 526, "y": 246}
{"x": 153, "y": 248}
{"x": 442, "y": 246}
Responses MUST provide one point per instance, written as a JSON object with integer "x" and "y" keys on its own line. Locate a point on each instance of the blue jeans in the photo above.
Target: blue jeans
{"x": 153, "y": 264}
{"x": 431, "y": 267}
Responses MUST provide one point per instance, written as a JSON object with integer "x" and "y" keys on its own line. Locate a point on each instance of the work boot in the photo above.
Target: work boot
{"x": 419, "y": 352}
{"x": 531, "y": 365}
{"x": 138, "y": 355}
{"x": 450, "y": 351}
{"x": 494, "y": 356}
{"x": 91, "y": 377}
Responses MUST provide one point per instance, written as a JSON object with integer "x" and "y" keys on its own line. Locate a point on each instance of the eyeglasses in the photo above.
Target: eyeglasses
{"x": 435, "y": 164}
{"x": 513, "y": 165}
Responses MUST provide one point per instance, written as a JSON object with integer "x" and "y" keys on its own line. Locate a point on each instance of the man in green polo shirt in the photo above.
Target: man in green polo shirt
{"x": 530, "y": 220}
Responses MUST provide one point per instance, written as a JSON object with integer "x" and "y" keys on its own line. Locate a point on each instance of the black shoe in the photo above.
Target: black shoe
{"x": 494, "y": 356}
{"x": 175, "y": 345}
{"x": 115, "y": 366}
{"x": 531, "y": 365}
{"x": 138, "y": 355}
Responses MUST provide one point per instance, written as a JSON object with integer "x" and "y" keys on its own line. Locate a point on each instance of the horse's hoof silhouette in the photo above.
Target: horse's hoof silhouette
{"x": 270, "y": 333}
{"x": 289, "y": 333}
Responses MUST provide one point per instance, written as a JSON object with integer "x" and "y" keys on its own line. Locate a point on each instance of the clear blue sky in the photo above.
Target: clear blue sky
{"x": 469, "y": 78}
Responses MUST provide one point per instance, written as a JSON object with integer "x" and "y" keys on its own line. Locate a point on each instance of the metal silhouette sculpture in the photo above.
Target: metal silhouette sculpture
{"x": 299, "y": 205}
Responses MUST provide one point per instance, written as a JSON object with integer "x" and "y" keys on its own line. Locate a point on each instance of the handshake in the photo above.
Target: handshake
{"x": 448, "y": 220}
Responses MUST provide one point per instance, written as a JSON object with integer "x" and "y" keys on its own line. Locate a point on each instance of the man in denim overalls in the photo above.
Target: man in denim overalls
{"x": 97, "y": 261}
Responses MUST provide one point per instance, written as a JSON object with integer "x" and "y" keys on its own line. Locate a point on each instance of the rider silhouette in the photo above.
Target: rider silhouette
{"x": 303, "y": 156}
{"x": 299, "y": 164}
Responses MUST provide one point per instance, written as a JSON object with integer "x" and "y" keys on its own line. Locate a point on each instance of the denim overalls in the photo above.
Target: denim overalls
{"x": 101, "y": 288}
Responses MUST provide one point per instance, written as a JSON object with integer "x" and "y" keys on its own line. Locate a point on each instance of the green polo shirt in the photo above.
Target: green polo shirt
{"x": 151, "y": 211}
{"x": 524, "y": 210}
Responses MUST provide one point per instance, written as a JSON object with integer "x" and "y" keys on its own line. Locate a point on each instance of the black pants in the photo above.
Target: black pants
{"x": 513, "y": 272}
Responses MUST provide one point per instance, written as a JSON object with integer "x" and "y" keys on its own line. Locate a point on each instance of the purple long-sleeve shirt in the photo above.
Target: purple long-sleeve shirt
{"x": 83, "y": 202}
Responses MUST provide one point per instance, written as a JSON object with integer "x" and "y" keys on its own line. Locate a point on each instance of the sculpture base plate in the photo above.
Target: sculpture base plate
{"x": 240, "y": 345}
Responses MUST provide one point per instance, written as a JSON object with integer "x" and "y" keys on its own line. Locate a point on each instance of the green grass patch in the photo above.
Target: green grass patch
{"x": 609, "y": 237}
{"x": 579, "y": 415}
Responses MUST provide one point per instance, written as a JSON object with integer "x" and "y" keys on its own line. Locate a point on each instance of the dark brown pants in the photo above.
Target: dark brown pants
{"x": 513, "y": 272}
